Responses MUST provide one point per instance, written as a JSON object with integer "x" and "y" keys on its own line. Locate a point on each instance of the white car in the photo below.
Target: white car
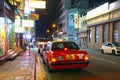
{"x": 112, "y": 48}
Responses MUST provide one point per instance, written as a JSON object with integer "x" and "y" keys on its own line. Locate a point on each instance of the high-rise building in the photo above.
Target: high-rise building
{"x": 65, "y": 13}
{"x": 65, "y": 16}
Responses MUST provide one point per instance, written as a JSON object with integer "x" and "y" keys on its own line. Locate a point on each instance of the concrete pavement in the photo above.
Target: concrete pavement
{"x": 21, "y": 68}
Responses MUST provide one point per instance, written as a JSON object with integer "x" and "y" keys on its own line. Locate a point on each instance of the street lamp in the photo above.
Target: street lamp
{"x": 54, "y": 25}
{"x": 48, "y": 31}
{"x": 53, "y": 28}
{"x": 54, "y": 31}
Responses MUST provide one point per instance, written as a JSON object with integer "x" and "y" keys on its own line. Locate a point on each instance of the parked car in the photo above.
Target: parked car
{"x": 111, "y": 48}
{"x": 65, "y": 55}
{"x": 41, "y": 47}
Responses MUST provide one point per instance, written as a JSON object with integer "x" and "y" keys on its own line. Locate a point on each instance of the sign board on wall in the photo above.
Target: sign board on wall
{"x": 38, "y": 4}
{"x": 27, "y": 23}
{"x": 19, "y": 29}
{"x": 71, "y": 19}
{"x": 34, "y": 16}
{"x": 76, "y": 20}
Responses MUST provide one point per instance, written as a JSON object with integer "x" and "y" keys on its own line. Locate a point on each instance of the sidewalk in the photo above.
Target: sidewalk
{"x": 10, "y": 55}
{"x": 21, "y": 68}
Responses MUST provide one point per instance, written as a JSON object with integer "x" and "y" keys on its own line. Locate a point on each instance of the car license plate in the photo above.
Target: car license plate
{"x": 60, "y": 58}
{"x": 70, "y": 56}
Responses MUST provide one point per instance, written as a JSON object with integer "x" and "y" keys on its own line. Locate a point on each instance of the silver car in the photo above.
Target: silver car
{"x": 111, "y": 48}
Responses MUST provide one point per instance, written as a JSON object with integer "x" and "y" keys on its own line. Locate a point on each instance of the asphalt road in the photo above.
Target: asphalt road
{"x": 101, "y": 67}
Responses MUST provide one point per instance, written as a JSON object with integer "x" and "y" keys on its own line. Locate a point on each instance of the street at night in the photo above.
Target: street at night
{"x": 101, "y": 67}
{"x": 59, "y": 39}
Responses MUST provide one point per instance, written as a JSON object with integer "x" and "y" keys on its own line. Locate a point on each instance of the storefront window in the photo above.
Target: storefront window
{"x": 105, "y": 33}
{"x": 90, "y": 36}
{"x": 115, "y": 35}
{"x": 96, "y": 35}
{"x": 2, "y": 35}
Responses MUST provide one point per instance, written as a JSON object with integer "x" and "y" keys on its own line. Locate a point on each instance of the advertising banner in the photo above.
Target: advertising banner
{"x": 71, "y": 19}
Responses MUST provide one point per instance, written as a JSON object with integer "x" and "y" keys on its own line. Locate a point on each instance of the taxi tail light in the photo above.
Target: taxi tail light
{"x": 53, "y": 60}
{"x": 86, "y": 57}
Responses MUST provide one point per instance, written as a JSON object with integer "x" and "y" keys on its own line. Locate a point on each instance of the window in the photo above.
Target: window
{"x": 96, "y": 35}
{"x": 62, "y": 45}
{"x": 115, "y": 29}
{"x": 105, "y": 33}
{"x": 90, "y": 36}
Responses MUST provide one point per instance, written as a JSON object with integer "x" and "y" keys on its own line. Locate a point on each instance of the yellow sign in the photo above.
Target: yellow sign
{"x": 76, "y": 21}
{"x": 34, "y": 16}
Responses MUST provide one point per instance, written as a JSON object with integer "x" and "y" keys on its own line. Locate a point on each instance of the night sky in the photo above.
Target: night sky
{"x": 45, "y": 20}
{"x": 42, "y": 25}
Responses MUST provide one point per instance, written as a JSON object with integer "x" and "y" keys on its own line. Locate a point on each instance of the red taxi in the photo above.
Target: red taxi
{"x": 65, "y": 55}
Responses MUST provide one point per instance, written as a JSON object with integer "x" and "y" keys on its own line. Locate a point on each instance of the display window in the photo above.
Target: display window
{"x": 2, "y": 35}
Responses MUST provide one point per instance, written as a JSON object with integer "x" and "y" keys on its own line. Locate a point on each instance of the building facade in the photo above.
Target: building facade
{"x": 67, "y": 13}
{"x": 8, "y": 11}
{"x": 103, "y": 25}
{"x": 93, "y": 26}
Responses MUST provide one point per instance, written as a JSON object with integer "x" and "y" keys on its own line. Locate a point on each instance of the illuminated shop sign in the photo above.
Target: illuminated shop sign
{"x": 19, "y": 29}
{"x": 38, "y": 4}
{"x": 27, "y": 23}
{"x": 34, "y": 16}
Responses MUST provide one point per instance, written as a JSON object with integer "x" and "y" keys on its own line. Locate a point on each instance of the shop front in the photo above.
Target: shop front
{"x": 2, "y": 35}
{"x": 5, "y": 35}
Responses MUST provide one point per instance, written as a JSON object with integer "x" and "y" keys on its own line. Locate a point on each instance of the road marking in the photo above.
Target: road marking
{"x": 104, "y": 60}
{"x": 40, "y": 69}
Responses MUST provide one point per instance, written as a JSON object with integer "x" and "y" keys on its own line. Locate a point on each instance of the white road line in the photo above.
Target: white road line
{"x": 104, "y": 60}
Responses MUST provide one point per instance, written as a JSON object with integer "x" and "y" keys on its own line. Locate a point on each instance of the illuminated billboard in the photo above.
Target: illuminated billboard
{"x": 27, "y": 23}
{"x": 38, "y": 4}
{"x": 19, "y": 29}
